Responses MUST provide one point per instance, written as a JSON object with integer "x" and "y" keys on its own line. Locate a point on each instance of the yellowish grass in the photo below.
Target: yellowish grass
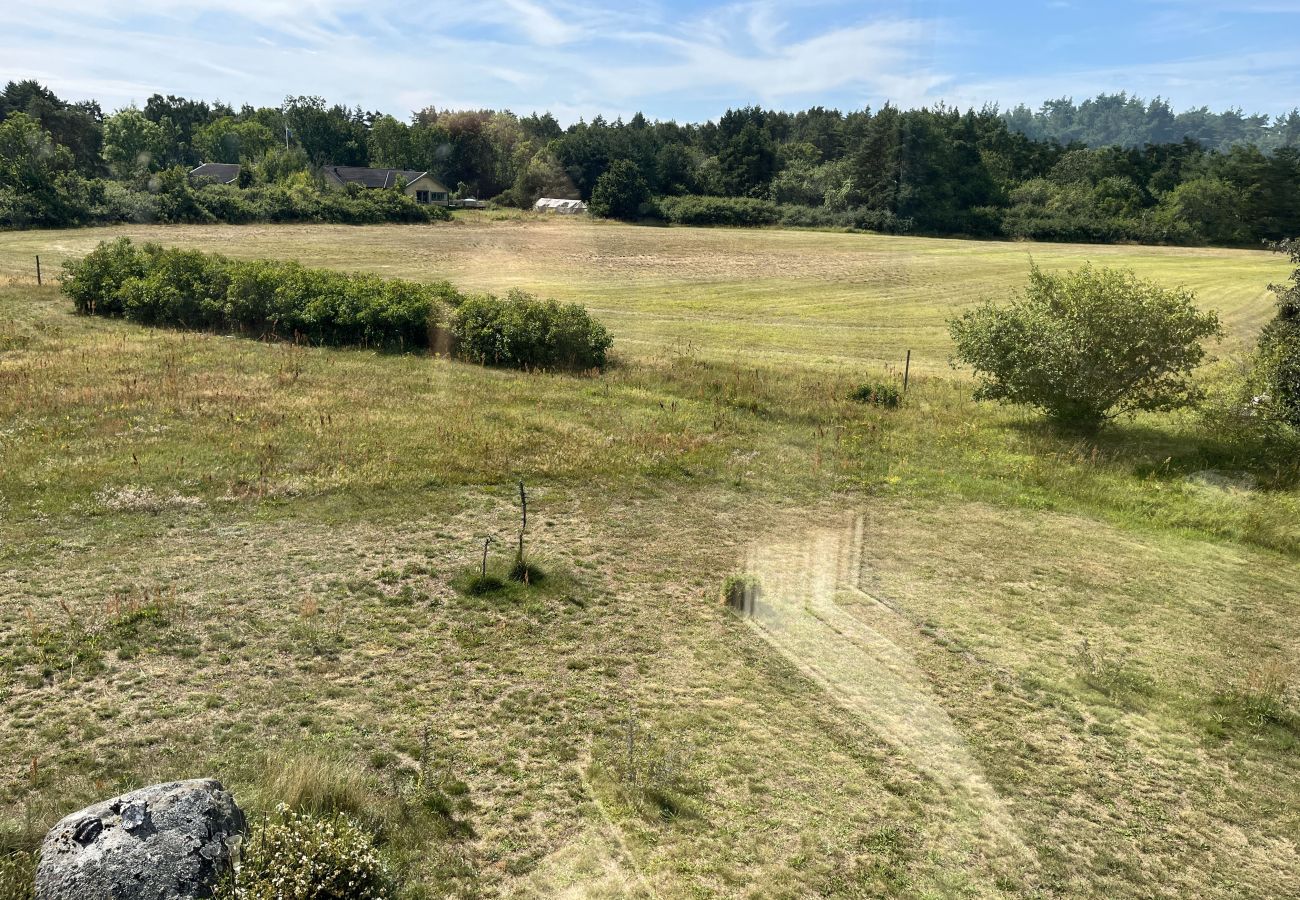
{"x": 910, "y": 720}
{"x": 776, "y": 297}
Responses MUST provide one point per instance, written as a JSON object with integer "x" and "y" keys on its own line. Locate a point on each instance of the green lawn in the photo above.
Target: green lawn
{"x": 989, "y": 661}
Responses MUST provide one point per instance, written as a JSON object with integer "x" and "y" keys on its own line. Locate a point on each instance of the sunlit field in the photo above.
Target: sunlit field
{"x": 770, "y": 297}
{"x": 989, "y": 660}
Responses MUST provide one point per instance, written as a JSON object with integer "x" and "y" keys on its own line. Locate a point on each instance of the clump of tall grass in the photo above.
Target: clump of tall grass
{"x": 739, "y": 591}
{"x": 410, "y": 818}
{"x": 17, "y": 875}
{"x": 878, "y": 393}
{"x": 1109, "y": 672}
{"x": 1259, "y": 697}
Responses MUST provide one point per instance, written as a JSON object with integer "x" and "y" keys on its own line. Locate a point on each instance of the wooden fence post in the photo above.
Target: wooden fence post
{"x": 38, "y": 271}
{"x": 907, "y": 368}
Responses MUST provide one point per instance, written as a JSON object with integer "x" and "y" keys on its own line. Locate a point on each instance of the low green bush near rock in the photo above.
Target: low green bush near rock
{"x": 298, "y": 856}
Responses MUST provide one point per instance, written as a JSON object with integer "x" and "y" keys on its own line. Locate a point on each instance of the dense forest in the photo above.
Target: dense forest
{"x": 1152, "y": 176}
{"x": 1110, "y": 120}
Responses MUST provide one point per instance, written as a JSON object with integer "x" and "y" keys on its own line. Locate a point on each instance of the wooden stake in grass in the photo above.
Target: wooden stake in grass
{"x": 38, "y": 271}
{"x": 907, "y": 367}
{"x": 486, "y": 541}
{"x": 523, "y": 519}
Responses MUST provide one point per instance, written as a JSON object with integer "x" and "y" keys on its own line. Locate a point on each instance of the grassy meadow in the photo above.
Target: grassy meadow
{"x": 994, "y": 661}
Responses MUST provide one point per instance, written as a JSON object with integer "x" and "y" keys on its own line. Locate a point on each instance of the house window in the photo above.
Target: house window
{"x": 421, "y": 196}
{"x": 439, "y": 196}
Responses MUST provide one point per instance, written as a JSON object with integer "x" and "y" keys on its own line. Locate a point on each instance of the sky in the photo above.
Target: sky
{"x": 666, "y": 58}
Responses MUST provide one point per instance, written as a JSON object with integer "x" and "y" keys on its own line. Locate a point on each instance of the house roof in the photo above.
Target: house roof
{"x": 374, "y": 178}
{"x": 224, "y": 173}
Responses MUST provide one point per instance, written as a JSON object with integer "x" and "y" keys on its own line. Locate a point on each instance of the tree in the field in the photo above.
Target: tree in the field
{"x": 1088, "y": 345}
{"x": 1278, "y": 366}
{"x": 620, "y": 192}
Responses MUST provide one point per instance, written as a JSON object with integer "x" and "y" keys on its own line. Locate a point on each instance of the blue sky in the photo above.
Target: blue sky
{"x": 688, "y": 61}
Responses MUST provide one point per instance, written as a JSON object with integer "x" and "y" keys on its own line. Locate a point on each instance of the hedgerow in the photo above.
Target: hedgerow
{"x": 170, "y": 197}
{"x": 154, "y": 285}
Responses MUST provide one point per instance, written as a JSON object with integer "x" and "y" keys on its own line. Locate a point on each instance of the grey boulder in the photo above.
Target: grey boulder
{"x": 157, "y": 843}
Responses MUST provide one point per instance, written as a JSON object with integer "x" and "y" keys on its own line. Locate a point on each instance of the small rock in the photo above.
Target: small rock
{"x": 158, "y": 843}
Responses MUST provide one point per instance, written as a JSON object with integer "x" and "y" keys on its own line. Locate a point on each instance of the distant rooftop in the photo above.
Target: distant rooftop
{"x": 222, "y": 173}
{"x": 370, "y": 178}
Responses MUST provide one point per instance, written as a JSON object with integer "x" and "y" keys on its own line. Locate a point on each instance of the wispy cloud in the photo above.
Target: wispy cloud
{"x": 668, "y": 57}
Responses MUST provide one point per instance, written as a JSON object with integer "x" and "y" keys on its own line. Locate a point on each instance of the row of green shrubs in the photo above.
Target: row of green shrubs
{"x": 744, "y": 212}
{"x": 170, "y": 197}
{"x": 154, "y": 285}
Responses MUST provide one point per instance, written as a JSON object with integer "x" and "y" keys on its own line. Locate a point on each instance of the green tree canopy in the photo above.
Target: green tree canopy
{"x": 1087, "y": 345}
{"x": 231, "y": 140}
{"x": 33, "y": 170}
{"x": 133, "y": 145}
{"x": 620, "y": 192}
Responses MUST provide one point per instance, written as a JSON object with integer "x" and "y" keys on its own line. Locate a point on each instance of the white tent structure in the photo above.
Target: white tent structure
{"x": 561, "y": 206}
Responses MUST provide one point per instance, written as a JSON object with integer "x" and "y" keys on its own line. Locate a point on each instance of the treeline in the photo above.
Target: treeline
{"x": 283, "y": 300}
{"x": 1120, "y": 120}
{"x": 936, "y": 171}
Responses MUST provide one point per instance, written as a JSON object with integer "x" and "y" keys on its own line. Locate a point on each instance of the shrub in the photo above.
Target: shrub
{"x": 1087, "y": 346}
{"x": 181, "y": 287}
{"x": 1278, "y": 368}
{"x": 878, "y": 394}
{"x": 94, "y": 281}
{"x": 189, "y": 289}
{"x": 523, "y": 332}
{"x": 733, "y": 211}
{"x": 297, "y": 856}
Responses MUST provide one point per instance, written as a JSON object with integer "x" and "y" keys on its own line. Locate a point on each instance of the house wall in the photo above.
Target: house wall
{"x": 438, "y": 194}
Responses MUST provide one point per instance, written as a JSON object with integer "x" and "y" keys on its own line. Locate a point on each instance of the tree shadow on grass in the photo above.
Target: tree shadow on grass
{"x": 1175, "y": 451}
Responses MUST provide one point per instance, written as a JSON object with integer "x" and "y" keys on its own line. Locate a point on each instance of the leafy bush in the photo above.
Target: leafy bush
{"x": 1278, "y": 368}
{"x": 94, "y": 282}
{"x": 297, "y": 856}
{"x": 523, "y": 332}
{"x": 1087, "y": 345}
{"x": 189, "y": 289}
{"x": 170, "y": 197}
{"x": 878, "y": 394}
{"x": 733, "y": 211}
{"x": 181, "y": 287}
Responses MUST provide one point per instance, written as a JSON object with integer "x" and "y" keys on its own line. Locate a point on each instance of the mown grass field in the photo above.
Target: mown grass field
{"x": 782, "y": 298}
{"x": 1007, "y": 662}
